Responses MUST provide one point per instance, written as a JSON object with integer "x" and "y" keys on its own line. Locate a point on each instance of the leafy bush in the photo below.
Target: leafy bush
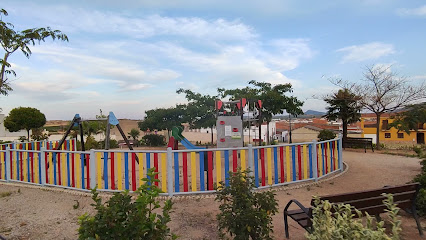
{"x": 91, "y": 143}
{"x": 421, "y": 197}
{"x": 326, "y": 134}
{"x": 154, "y": 140}
{"x": 122, "y": 218}
{"x": 244, "y": 213}
{"x": 335, "y": 221}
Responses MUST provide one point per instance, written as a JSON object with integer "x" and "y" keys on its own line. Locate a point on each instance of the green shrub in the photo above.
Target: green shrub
{"x": 122, "y": 218}
{"x": 245, "y": 213}
{"x": 326, "y": 134}
{"x": 91, "y": 143}
{"x": 335, "y": 221}
{"x": 154, "y": 140}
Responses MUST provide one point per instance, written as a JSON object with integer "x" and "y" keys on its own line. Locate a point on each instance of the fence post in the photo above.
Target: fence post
{"x": 8, "y": 160}
{"x": 92, "y": 169}
{"x": 43, "y": 166}
{"x": 250, "y": 159}
{"x": 169, "y": 171}
{"x": 314, "y": 160}
{"x": 340, "y": 150}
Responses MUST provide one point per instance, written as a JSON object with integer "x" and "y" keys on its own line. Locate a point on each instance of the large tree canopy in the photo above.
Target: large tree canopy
{"x": 201, "y": 112}
{"x": 24, "y": 118}
{"x": 410, "y": 118}
{"x": 12, "y": 40}
{"x": 163, "y": 118}
{"x": 343, "y": 105}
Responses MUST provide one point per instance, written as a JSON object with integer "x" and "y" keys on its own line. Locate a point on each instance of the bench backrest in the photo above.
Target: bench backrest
{"x": 371, "y": 201}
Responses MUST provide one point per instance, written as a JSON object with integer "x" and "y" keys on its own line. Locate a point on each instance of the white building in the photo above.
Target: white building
{"x": 5, "y": 135}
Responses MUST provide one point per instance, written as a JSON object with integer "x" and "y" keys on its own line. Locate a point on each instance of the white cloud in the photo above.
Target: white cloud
{"x": 368, "y": 51}
{"x": 417, "y": 12}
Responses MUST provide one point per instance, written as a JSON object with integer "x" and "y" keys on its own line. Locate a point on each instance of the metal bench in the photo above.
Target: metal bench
{"x": 370, "y": 201}
{"x": 358, "y": 142}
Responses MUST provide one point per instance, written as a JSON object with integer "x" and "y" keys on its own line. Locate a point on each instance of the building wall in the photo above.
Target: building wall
{"x": 303, "y": 135}
{"x": 5, "y": 135}
{"x": 391, "y": 134}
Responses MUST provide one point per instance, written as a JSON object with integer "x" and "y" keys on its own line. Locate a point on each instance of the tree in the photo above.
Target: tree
{"x": 383, "y": 91}
{"x": 12, "y": 40}
{"x": 38, "y": 135}
{"x": 343, "y": 105}
{"x": 134, "y": 133}
{"x": 410, "y": 118}
{"x": 201, "y": 110}
{"x": 274, "y": 100}
{"x": 24, "y": 118}
{"x": 163, "y": 118}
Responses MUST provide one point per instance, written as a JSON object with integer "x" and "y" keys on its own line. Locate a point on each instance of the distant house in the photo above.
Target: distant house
{"x": 388, "y": 134}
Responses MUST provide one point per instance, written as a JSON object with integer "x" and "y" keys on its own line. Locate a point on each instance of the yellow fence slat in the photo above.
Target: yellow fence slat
{"x": 218, "y": 168}
{"x": 269, "y": 157}
{"x": 141, "y": 164}
{"x": 164, "y": 172}
{"x": 243, "y": 160}
{"x": 99, "y": 169}
{"x": 119, "y": 172}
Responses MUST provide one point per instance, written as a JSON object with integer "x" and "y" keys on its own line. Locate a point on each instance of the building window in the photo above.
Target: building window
{"x": 400, "y": 135}
{"x": 385, "y": 125}
{"x": 387, "y": 135}
{"x": 420, "y": 126}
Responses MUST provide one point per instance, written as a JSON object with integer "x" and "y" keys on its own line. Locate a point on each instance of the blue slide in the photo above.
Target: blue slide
{"x": 177, "y": 134}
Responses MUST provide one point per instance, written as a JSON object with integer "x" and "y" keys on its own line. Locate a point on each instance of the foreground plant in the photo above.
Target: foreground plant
{"x": 244, "y": 213}
{"x": 335, "y": 221}
{"x": 122, "y": 218}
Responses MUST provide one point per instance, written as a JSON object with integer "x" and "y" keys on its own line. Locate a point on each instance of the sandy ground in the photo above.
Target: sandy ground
{"x": 30, "y": 213}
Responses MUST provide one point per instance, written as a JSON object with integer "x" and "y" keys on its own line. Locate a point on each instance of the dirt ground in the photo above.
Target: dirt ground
{"x": 32, "y": 213}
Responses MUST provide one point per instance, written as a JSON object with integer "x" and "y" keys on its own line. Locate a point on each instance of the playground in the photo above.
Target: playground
{"x": 30, "y": 212}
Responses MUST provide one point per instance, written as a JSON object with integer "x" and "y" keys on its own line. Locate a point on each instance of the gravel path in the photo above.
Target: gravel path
{"x": 30, "y": 213}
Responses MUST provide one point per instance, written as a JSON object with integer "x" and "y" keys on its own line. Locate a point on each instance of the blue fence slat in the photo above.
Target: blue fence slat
{"x": 105, "y": 170}
{"x": 276, "y": 165}
{"x": 256, "y": 168}
{"x": 293, "y": 157}
{"x": 82, "y": 158}
{"x": 148, "y": 164}
{"x": 176, "y": 158}
{"x": 54, "y": 168}
{"x": 331, "y": 157}
{"x": 126, "y": 170}
{"x": 202, "y": 184}
{"x": 310, "y": 161}
{"x": 226, "y": 152}
{"x": 68, "y": 170}
{"x": 28, "y": 167}
{"x": 338, "y": 154}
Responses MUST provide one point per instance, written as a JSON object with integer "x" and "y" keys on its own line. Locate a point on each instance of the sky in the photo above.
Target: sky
{"x": 131, "y": 56}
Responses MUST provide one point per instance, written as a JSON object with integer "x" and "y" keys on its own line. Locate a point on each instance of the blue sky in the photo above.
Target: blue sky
{"x": 131, "y": 56}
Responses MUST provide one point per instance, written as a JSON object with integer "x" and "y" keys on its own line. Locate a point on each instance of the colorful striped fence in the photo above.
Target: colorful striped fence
{"x": 37, "y": 145}
{"x": 180, "y": 171}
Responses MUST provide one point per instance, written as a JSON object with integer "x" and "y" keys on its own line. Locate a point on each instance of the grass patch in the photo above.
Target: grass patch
{"x": 5, "y": 194}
